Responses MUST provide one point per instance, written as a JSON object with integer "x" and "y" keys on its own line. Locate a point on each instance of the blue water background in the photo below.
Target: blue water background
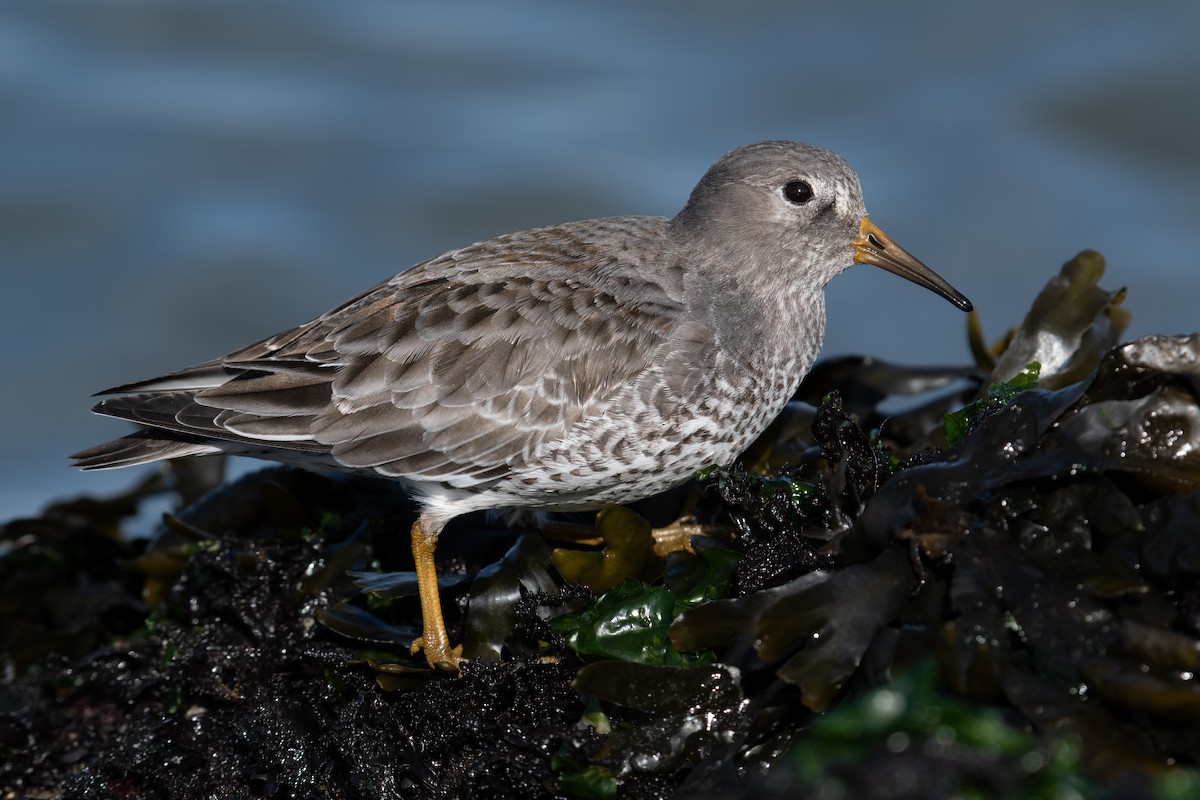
{"x": 180, "y": 178}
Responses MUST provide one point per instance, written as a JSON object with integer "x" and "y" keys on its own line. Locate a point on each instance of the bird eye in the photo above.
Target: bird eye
{"x": 798, "y": 192}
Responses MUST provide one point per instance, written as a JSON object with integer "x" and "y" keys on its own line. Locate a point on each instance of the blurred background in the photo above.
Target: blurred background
{"x": 179, "y": 178}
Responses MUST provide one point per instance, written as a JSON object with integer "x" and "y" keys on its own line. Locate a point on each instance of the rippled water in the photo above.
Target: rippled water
{"x": 179, "y": 178}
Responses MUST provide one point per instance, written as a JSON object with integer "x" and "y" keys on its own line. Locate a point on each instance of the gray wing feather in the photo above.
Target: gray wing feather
{"x": 138, "y": 448}
{"x": 458, "y": 369}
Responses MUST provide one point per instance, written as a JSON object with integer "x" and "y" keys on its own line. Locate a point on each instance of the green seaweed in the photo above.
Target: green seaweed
{"x": 957, "y": 423}
{"x": 909, "y": 715}
{"x": 584, "y": 781}
{"x": 629, "y": 622}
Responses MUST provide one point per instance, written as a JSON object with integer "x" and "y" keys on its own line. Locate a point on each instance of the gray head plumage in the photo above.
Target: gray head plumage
{"x": 741, "y": 206}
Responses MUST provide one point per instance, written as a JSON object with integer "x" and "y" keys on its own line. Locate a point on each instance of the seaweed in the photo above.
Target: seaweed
{"x": 938, "y": 581}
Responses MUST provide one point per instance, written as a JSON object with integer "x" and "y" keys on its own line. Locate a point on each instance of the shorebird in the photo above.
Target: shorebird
{"x": 560, "y": 368}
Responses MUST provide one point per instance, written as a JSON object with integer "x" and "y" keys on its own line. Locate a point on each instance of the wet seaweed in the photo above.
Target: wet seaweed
{"x": 992, "y": 591}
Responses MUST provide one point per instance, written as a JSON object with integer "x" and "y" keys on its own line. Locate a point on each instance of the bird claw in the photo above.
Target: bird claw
{"x": 439, "y": 655}
{"x": 677, "y": 537}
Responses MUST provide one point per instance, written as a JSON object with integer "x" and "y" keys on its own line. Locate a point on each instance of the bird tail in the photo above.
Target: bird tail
{"x": 142, "y": 447}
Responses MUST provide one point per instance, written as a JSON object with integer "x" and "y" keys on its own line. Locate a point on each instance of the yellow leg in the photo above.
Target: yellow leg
{"x": 434, "y": 640}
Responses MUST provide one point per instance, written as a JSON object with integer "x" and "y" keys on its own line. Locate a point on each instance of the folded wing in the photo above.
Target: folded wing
{"x": 455, "y": 371}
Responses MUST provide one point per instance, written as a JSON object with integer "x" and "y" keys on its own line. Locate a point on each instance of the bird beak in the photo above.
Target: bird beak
{"x": 874, "y": 247}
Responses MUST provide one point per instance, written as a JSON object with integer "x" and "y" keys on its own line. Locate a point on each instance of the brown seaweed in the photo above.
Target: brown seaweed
{"x": 1004, "y": 611}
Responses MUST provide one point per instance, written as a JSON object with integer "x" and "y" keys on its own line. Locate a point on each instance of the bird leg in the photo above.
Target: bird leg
{"x": 434, "y": 640}
{"x": 674, "y": 538}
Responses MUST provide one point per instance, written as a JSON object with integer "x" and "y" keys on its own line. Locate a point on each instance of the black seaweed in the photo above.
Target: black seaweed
{"x": 873, "y": 603}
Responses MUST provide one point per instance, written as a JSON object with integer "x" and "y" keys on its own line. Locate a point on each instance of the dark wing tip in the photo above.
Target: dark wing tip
{"x": 143, "y": 447}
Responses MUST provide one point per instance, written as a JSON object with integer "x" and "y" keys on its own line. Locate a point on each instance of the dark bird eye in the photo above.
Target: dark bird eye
{"x": 798, "y": 192}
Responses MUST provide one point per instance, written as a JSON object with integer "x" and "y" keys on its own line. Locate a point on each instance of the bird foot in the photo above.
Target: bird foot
{"x": 677, "y": 537}
{"x": 439, "y": 654}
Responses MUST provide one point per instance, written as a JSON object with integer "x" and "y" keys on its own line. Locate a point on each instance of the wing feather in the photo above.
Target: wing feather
{"x": 457, "y": 369}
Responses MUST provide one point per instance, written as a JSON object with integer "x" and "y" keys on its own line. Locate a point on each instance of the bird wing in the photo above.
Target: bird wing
{"x": 456, "y": 370}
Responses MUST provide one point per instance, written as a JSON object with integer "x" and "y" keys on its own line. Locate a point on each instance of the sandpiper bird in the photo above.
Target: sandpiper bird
{"x": 560, "y": 368}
